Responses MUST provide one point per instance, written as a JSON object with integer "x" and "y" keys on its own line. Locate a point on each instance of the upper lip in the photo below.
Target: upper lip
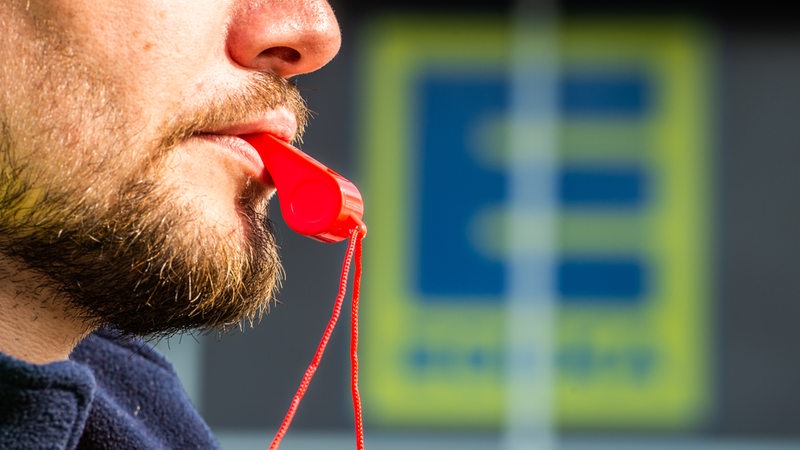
{"x": 278, "y": 122}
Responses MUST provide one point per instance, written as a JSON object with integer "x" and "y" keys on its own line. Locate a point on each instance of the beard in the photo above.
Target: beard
{"x": 116, "y": 240}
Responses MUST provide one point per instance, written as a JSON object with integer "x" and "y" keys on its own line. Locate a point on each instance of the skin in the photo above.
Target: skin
{"x": 114, "y": 116}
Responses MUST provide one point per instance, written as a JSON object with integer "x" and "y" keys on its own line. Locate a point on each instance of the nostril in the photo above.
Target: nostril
{"x": 286, "y": 54}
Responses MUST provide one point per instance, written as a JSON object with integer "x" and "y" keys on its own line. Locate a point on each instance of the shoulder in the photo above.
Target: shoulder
{"x": 140, "y": 402}
{"x": 109, "y": 348}
{"x": 43, "y": 406}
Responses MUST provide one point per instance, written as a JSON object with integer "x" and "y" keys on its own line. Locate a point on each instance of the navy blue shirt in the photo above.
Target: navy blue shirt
{"x": 114, "y": 392}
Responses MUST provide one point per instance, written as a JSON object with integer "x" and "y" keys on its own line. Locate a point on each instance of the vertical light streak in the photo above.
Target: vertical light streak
{"x": 532, "y": 167}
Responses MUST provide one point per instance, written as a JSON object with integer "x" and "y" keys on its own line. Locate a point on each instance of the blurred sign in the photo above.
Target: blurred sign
{"x": 633, "y": 275}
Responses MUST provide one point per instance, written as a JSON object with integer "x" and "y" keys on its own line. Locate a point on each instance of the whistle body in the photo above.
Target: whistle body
{"x": 315, "y": 201}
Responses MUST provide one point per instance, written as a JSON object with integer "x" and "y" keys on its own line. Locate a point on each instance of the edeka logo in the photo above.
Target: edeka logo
{"x": 631, "y": 261}
{"x": 457, "y": 184}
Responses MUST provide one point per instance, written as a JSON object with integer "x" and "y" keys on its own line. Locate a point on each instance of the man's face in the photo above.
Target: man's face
{"x": 121, "y": 176}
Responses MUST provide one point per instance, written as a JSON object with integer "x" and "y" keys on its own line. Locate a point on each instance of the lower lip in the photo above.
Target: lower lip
{"x": 241, "y": 151}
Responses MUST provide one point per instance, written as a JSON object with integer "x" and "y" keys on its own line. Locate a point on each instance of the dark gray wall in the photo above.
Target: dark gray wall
{"x": 759, "y": 222}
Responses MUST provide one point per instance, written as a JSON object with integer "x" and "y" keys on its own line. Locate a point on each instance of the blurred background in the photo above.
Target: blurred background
{"x": 581, "y": 235}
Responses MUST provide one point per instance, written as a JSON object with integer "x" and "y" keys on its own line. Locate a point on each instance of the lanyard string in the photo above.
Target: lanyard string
{"x": 354, "y": 248}
{"x": 357, "y": 236}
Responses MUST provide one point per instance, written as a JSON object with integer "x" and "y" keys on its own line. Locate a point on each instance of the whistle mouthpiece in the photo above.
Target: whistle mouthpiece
{"x": 315, "y": 201}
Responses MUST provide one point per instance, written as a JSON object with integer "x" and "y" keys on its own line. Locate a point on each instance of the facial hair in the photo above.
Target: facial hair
{"x": 136, "y": 257}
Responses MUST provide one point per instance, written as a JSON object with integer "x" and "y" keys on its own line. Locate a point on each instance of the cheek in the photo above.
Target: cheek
{"x": 67, "y": 118}
{"x": 160, "y": 52}
{"x": 86, "y": 117}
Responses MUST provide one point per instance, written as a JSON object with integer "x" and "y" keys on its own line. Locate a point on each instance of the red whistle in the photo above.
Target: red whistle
{"x": 315, "y": 201}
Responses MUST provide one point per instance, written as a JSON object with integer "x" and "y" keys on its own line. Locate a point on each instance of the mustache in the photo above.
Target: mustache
{"x": 265, "y": 91}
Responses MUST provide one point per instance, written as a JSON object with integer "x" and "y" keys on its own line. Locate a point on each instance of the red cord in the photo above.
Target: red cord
{"x": 358, "y": 420}
{"x": 354, "y": 247}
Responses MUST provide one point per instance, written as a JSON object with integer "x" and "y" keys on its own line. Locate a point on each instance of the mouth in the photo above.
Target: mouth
{"x": 279, "y": 123}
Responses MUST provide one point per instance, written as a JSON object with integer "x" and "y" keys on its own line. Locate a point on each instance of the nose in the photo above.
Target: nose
{"x": 287, "y": 37}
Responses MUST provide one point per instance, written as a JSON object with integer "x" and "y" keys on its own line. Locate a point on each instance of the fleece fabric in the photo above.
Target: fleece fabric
{"x": 114, "y": 392}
